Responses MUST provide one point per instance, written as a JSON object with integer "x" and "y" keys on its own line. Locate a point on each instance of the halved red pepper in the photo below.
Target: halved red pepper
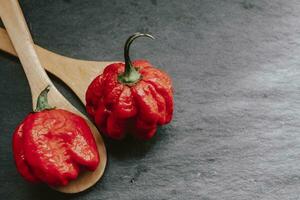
{"x": 53, "y": 145}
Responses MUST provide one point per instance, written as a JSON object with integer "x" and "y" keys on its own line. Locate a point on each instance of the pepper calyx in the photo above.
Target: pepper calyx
{"x": 131, "y": 74}
{"x": 42, "y": 101}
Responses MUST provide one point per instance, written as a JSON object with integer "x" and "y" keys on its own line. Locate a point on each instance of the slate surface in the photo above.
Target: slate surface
{"x": 236, "y": 71}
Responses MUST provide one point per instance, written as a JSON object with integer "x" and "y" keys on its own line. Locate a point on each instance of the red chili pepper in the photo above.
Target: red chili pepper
{"x": 53, "y": 145}
{"x": 131, "y": 98}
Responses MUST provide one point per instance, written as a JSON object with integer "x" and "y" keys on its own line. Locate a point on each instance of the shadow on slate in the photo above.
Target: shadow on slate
{"x": 68, "y": 93}
{"x": 44, "y": 192}
{"x": 8, "y": 56}
{"x": 131, "y": 147}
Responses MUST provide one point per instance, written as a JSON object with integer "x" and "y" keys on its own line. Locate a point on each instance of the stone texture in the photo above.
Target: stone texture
{"x": 236, "y": 71}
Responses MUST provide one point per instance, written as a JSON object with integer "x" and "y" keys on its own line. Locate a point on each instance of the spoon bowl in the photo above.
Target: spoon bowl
{"x": 13, "y": 19}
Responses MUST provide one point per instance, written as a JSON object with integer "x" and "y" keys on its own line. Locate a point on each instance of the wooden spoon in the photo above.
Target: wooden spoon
{"x": 75, "y": 73}
{"x": 17, "y": 29}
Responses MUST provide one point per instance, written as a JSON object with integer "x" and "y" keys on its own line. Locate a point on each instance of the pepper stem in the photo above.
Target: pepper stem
{"x": 131, "y": 75}
{"x": 42, "y": 101}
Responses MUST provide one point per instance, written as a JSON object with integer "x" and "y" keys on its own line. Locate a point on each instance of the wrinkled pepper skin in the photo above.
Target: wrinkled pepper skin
{"x": 119, "y": 109}
{"x": 53, "y": 146}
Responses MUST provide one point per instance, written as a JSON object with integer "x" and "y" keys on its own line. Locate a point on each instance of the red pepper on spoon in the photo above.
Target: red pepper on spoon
{"x": 53, "y": 145}
{"x": 19, "y": 34}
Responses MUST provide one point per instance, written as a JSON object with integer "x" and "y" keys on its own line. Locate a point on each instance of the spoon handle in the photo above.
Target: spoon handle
{"x": 14, "y": 21}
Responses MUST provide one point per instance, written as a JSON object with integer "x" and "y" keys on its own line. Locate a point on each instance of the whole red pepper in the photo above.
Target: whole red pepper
{"x": 130, "y": 98}
{"x": 53, "y": 145}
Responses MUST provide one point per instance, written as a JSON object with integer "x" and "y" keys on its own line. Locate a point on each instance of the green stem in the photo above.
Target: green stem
{"x": 42, "y": 101}
{"x": 131, "y": 75}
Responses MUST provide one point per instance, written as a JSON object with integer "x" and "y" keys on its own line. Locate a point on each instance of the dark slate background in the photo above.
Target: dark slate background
{"x": 236, "y": 71}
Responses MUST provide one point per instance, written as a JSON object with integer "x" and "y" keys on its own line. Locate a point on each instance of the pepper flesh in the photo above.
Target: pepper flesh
{"x": 52, "y": 146}
{"x": 119, "y": 109}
